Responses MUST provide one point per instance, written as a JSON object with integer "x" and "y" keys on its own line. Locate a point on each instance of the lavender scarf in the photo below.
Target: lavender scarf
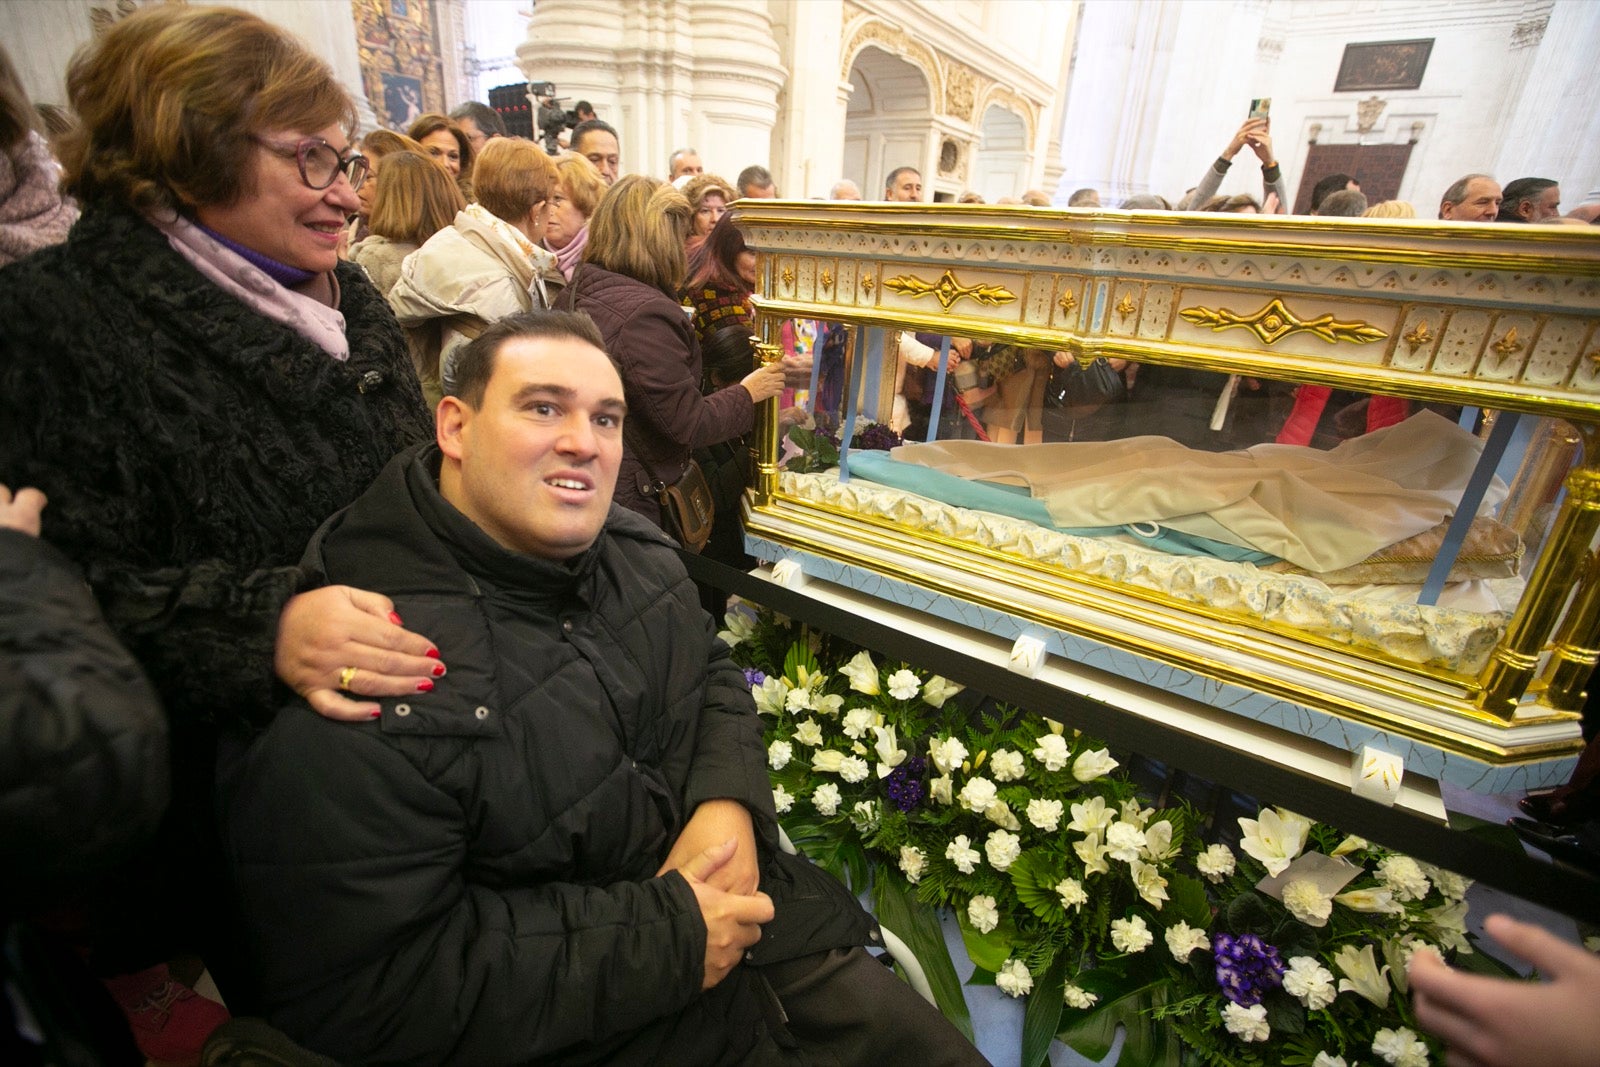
{"x": 567, "y": 258}
{"x": 33, "y": 214}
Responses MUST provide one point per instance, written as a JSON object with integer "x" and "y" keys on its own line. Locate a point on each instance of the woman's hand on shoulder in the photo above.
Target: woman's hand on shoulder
{"x": 764, "y": 382}
{"x": 342, "y": 638}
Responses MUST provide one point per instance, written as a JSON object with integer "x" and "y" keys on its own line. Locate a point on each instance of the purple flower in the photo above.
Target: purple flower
{"x": 904, "y": 784}
{"x": 877, "y": 436}
{"x": 754, "y": 677}
{"x": 1246, "y": 969}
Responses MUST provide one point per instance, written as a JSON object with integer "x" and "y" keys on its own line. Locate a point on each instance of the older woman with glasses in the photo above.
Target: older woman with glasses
{"x": 197, "y": 382}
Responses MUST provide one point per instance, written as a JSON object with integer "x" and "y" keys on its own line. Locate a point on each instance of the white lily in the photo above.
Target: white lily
{"x": 770, "y": 695}
{"x": 1362, "y": 975}
{"x": 862, "y": 674}
{"x": 937, "y": 690}
{"x": 890, "y": 754}
{"x": 1275, "y": 838}
{"x": 1092, "y": 764}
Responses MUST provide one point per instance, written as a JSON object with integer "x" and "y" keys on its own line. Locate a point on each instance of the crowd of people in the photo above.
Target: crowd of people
{"x": 341, "y": 675}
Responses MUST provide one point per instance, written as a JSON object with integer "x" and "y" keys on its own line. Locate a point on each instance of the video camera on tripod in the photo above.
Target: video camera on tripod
{"x": 553, "y": 118}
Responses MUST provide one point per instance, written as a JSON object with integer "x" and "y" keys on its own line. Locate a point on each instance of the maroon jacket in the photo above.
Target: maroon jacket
{"x": 650, "y": 337}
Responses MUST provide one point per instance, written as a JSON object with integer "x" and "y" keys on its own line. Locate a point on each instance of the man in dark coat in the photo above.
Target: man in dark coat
{"x": 566, "y": 852}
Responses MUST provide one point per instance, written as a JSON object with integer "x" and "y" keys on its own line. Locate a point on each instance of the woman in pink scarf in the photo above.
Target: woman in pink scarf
{"x": 33, "y": 214}
{"x": 575, "y": 198}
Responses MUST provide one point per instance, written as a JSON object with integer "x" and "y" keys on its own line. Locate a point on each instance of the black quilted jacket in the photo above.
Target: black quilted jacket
{"x": 189, "y": 447}
{"x": 470, "y": 878}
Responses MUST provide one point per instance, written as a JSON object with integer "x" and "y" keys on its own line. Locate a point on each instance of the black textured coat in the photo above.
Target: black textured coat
{"x": 470, "y": 879}
{"x": 189, "y": 446}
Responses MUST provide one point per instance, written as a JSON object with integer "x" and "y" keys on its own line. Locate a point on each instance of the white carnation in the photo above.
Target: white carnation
{"x": 779, "y": 753}
{"x": 977, "y": 795}
{"x": 982, "y": 913}
{"x": 1131, "y": 935}
{"x": 826, "y": 798}
{"x": 1123, "y": 842}
{"x": 1400, "y": 1047}
{"x": 1404, "y": 877}
{"x": 1078, "y": 997}
{"x": 1002, "y": 847}
{"x": 1070, "y": 890}
{"x": 857, "y": 721}
{"x": 1215, "y": 863}
{"x": 1309, "y": 982}
{"x": 961, "y": 853}
{"x": 903, "y": 685}
{"x": 1183, "y": 939}
{"x": 1013, "y": 979}
{"x": 781, "y": 799}
{"x": 1247, "y": 1024}
{"x": 1307, "y": 902}
{"x": 1006, "y": 765}
{"x": 1052, "y": 752}
{"x": 1328, "y": 1059}
{"x": 853, "y": 769}
{"x": 946, "y": 753}
{"x": 1044, "y": 814}
{"x": 913, "y": 861}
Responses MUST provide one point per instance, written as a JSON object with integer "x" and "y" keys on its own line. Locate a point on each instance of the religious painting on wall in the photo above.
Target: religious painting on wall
{"x": 400, "y": 64}
{"x": 402, "y": 100}
{"x": 1383, "y": 65}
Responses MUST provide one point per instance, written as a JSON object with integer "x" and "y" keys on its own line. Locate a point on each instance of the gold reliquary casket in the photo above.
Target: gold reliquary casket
{"x": 1351, "y": 498}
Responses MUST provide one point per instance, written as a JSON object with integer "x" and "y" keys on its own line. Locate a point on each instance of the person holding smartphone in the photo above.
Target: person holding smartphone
{"x": 1254, "y": 132}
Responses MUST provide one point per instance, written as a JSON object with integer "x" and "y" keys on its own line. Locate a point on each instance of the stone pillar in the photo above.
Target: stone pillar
{"x": 808, "y": 139}
{"x": 732, "y": 106}
{"x": 1553, "y": 120}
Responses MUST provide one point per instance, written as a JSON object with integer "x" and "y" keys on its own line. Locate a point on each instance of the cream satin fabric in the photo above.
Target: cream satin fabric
{"x": 1319, "y": 510}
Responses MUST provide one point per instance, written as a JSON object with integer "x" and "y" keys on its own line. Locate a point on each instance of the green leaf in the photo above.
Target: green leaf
{"x": 1285, "y": 1014}
{"x": 991, "y": 950}
{"x": 917, "y": 925}
{"x": 1247, "y": 913}
{"x": 800, "y": 655}
{"x": 1034, "y": 877}
{"x": 1187, "y": 901}
{"x": 1043, "y": 1015}
{"x": 1126, "y": 999}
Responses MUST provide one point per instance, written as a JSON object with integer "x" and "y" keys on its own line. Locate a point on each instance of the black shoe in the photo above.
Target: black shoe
{"x": 1578, "y": 846}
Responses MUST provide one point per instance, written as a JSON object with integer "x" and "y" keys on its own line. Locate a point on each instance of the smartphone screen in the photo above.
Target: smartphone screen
{"x": 1261, "y": 107}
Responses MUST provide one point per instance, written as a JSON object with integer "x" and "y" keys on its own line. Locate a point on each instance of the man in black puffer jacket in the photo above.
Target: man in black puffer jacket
{"x": 554, "y": 855}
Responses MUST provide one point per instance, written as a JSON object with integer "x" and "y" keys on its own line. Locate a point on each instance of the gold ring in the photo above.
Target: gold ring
{"x": 346, "y": 676}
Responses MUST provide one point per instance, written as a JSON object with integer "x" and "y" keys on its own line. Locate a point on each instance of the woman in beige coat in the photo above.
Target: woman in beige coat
{"x": 485, "y": 265}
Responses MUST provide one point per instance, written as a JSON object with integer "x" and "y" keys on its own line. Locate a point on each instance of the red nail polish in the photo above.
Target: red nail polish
{"x": 432, "y": 653}
{"x": 375, "y": 713}
{"x": 424, "y": 687}
{"x": 438, "y": 671}
{"x": 394, "y": 617}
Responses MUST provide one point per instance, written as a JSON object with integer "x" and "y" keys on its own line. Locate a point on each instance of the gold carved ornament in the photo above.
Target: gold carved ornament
{"x": 1275, "y": 322}
{"x": 1126, "y": 306}
{"x": 947, "y": 290}
{"x": 1508, "y": 345}
{"x": 1067, "y": 302}
{"x": 788, "y": 276}
{"x": 826, "y": 278}
{"x": 867, "y": 282}
{"x": 1418, "y": 336}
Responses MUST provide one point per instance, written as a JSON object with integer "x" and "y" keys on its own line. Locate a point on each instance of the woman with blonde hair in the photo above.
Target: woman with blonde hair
{"x": 415, "y": 200}
{"x": 1390, "y": 209}
{"x": 567, "y": 231}
{"x": 628, "y": 283}
{"x": 197, "y": 382}
{"x": 709, "y": 197}
{"x": 485, "y": 265}
{"x": 374, "y": 146}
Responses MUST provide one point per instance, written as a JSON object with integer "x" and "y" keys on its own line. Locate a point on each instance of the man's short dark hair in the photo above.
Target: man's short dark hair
{"x": 475, "y": 365}
{"x": 1519, "y": 191}
{"x": 894, "y": 175}
{"x": 1343, "y": 203}
{"x": 1331, "y": 184}
{"x": 486, "y": 118}
{"x": 582, "y": 108}
{"x": 754, "y": 176}
{"x": 588, "y": 126}
{"x": 1081, "y": 197}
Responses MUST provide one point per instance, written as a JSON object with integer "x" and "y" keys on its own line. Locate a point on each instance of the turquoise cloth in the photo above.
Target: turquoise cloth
{"x": 1015, "y": 502}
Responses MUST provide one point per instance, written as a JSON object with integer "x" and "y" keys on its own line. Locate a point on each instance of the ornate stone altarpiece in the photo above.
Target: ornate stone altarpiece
{"x": 1506, "y": 319}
